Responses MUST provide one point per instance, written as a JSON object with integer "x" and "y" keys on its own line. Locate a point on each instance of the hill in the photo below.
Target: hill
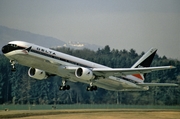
{"x": 8, "y": 34}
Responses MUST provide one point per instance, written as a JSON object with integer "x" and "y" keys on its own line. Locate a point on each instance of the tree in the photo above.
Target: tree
{"x": 17, "y": 87}
{"x": 1, "y": 85}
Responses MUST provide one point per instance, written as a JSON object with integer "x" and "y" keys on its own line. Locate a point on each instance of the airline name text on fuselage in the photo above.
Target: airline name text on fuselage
{"x": 46, "y": 51}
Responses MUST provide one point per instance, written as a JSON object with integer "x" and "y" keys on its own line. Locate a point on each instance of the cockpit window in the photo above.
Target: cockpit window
{"x": 13, "y": 45}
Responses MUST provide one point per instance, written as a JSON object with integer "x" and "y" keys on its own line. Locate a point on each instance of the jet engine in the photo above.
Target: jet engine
{"x": 84, "y": 73}
{"x": 37, "y": 73}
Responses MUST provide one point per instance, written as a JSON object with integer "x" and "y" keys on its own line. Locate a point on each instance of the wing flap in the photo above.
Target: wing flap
{"x": 157, "y": 84}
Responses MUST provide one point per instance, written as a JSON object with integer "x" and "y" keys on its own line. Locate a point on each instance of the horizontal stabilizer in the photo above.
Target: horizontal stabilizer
{"x": 157, "y": 84}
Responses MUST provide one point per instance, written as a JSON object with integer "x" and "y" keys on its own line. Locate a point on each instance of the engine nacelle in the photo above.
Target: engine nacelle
{"x": 84, "y": 73}
{"x": 37, "y": 73}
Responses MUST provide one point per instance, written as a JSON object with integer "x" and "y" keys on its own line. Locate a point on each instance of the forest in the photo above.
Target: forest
{"x": 18, "y": 88}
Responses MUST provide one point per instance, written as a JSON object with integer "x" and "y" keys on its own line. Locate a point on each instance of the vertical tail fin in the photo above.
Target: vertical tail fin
{"x": 144, "y": 61}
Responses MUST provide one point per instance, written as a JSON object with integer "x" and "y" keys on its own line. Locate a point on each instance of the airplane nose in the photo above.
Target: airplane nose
{"x": 5, "y": 49}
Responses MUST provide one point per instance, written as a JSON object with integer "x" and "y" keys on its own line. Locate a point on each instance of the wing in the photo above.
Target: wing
{"x": 127, "y": 71}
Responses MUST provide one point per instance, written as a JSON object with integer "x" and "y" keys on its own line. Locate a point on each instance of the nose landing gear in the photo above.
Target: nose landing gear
{"x": 13, "y": 65}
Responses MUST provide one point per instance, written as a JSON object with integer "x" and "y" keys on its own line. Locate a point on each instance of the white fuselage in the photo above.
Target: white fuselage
{"x": 60, "y": 64}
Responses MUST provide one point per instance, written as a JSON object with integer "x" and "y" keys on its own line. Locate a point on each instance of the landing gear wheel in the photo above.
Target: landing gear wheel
{"x": 66, "y": 87}
{"x": 91, "y": 88}
{"x": 94, "y": 87}
{"x": 13, "y": 69}
{"x": 61, "y": 88}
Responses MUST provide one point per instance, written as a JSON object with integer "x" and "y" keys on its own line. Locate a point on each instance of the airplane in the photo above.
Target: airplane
{"x": 45, "y": 62}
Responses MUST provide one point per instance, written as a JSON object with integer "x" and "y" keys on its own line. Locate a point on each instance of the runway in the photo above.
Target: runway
{"x": 92, "y": 113}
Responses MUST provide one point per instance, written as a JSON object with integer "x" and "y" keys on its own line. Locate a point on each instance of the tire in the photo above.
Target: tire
{"x": 67, "y": 87}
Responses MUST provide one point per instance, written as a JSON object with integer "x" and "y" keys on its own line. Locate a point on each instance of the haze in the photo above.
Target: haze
{"x": 121, "y": 24}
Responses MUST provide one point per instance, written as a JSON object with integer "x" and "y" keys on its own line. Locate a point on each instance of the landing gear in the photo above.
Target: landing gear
{"x": 67, "y": 87}
{"x": 64, "y": 86}
{"x": 13, "y": 65}
{"x": 91, "y": 87}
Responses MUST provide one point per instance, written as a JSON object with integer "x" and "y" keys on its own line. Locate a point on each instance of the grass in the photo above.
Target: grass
{"x": 84, "y": 106}
{"x": 93, "y": 113}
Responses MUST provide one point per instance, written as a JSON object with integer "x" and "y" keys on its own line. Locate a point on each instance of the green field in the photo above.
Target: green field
{"x": 81, "y": 111}
{"x": 93, "y": 113}
{"x": 84, "y": 106}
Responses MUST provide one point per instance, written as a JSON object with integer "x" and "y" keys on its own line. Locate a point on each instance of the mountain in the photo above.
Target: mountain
{"x": 8, "y": 34}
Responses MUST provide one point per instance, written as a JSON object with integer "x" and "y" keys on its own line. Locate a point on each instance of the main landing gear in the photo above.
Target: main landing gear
{"x": 64, "y": 86}
{"x": 13, "y": 65}
{"x": 91, "y": 87}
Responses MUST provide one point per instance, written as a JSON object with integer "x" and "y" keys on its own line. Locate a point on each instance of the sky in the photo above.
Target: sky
{"x": 121, "y": 24}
